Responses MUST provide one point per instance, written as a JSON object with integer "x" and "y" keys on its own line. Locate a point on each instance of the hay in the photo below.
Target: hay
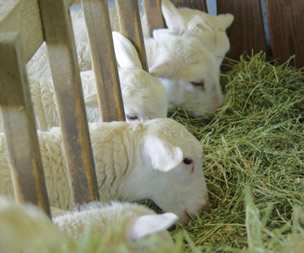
{"x": 254, "y": 166}
{"x": 256, "y": 142}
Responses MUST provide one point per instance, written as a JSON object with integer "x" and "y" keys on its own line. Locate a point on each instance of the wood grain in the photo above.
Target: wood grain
{"x": 69, "y": 98}
{"x": 153, "y": 15}
{"x": 194, "y": 4}
{"x": 247, "y": 30}
{"x": 19, "y": 125}
{"x": 285, "y": 20}
{"x": 130, "y": 26}
{"x": 97, "y": 20}
{"x": 22, "y": 16}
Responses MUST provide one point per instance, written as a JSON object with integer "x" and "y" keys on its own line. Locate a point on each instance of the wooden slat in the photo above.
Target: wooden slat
{"x": 130, "y": 26}
{"x": 19, "y": 124}
{"x": 194, "y": 4}
{"x": 97, "y": 20}
{"x": 154, "y": 15}
{"x": 285, "y": 20}
{"x": 69, "y": 97}
{"x": 247, "y": 30}
{"x": 22, "y": 16}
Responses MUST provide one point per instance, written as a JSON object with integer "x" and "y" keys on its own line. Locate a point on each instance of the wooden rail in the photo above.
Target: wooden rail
{"x": 19, "y": 124}
{"x": 63, "y": 61}
{"x": 130, "y": 26}
{"x": 97, "y": 19}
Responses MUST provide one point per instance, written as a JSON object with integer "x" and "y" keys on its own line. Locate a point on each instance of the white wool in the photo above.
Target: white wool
{"x": 134, "y": 161}
{"x": 24, "y": 226}
{"x": 104, "y": 217}
{"x": 179, "y": 62}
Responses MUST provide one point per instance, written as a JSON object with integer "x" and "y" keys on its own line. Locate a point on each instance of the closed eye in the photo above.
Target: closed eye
{"x": 132, "y": 117}
{"x": 198, "y": 84}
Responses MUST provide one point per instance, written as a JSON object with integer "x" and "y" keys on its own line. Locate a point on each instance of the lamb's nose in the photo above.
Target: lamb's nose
{"x": 217, "y": 101}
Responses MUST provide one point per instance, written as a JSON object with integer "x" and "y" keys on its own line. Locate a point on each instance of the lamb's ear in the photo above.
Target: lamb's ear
{"x": 150, "y": 224}
{"x": 225, "y": 20}
{"x": 163, "y": 155}
{"x": 162, "y": 68}
{"x": 91, "y": 100}
{"x": 125, "y": 52}
{"x": 171, "y": 15}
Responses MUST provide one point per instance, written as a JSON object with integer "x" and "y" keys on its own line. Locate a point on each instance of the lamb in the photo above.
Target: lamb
{"x": 24, "y": 226}
{"x": 155, "y": 159}
{"x": 188, "y": 71}
{"x": 143, "y": 96}
{"x": 210, "y": 30}
{"x": 135, "y": 221}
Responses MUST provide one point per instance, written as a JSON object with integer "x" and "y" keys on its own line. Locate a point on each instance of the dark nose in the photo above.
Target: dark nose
{"x": 217, "y": 101}
{"x": 205, "y": 205}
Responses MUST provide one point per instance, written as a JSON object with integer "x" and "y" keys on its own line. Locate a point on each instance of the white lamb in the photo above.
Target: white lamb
{"x": 187, "y": 22}
{"x": 135, "y": 221}
{"x": 156, "y": 159}
{"x": 186, "y": 68}
{"x": 26, "y": 227}
{"x": 188, "y": 71}
{"x": 143, "y": 95}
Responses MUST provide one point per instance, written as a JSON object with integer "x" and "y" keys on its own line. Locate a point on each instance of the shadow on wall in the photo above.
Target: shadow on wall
{"x": 211, "y": 5}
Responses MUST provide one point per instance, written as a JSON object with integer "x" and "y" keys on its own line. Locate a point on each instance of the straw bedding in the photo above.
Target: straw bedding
{"x": 254, "y": 165}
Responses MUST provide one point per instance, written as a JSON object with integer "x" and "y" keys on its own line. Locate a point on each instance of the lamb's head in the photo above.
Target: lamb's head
{"x": 143, "y": 96}
{"x": 211, "y": 30}
{"x": 119, "y": 222}
{"x": 190, "y": 74}
{"x": 173, "y": 177}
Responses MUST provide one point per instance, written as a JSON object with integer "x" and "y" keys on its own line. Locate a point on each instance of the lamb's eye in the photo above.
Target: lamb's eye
{"x": 132, "y": 117}
{"x": 187, "y": 161}
{"x": 198, "y": 84}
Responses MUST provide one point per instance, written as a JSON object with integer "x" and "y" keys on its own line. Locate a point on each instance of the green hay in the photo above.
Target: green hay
{"x": 255, "y": 141}
{"x": 253, "y": 163}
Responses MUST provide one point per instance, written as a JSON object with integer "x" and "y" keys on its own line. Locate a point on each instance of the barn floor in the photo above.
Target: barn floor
{"x": 253, "y": 163}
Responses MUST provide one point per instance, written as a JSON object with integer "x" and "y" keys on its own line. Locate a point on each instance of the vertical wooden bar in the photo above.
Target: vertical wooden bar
{"x": 19, "y": 125}
{"x": 247, "y": 30}
{"x": 97, "y": 20}
{"x": 285, "y": 20}
{"x": 194, "y": 4}
{"x": 69, "y": 98}
{"x": 130, "y": 26}
{"x": 22, "y": 16}
{"x": 154, "y": 15}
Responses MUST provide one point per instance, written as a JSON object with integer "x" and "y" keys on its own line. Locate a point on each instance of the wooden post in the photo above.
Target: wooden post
{"x": 97, "y": 20}
{"x": 130, "y": 26}
{"x": 247, "y": 30}
{"x": 154, "y": 15}
{"x": 285, "y": 20}
{"x": 19, "y": 125}
{"x": 22, "y": 16}
{"x": 63, "y": 61}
